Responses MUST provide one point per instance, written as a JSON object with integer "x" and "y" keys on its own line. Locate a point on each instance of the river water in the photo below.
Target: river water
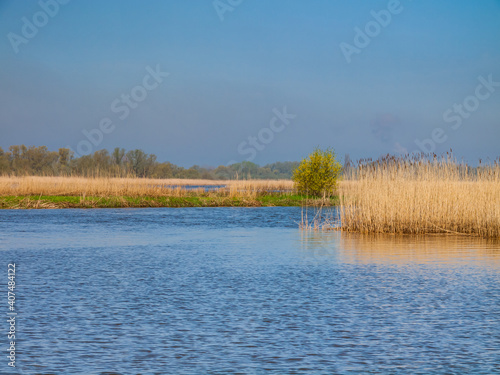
{"x": 242, "y": 290}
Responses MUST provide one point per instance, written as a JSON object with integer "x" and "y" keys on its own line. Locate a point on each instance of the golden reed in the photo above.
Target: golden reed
{"x": 134, "y": 187}
{"x": 419, "y": 195}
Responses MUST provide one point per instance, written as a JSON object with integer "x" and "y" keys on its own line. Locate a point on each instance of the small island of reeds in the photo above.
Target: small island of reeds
{"x": 421, "y": 194}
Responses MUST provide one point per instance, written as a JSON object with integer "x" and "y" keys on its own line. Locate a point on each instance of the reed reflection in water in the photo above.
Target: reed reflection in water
{"x": 360, "y": 248}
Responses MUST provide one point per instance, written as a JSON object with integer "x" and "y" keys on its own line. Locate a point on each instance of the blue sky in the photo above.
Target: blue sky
{"x": 230, "y": 72}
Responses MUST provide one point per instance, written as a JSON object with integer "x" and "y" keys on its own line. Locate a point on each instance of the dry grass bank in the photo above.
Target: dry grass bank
{"x": 413, "y": 195}
{"x": 134, "y": 187}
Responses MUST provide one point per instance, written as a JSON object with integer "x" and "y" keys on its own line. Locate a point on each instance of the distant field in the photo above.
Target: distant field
{"x": 135, "y": 187}
{"x": 80, "y": 192}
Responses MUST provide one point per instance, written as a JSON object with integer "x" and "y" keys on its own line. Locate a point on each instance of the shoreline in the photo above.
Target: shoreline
{"x": 61, "y": 202}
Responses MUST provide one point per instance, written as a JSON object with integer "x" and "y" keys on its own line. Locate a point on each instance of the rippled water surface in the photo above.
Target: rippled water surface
{"x": 242, "y": 290}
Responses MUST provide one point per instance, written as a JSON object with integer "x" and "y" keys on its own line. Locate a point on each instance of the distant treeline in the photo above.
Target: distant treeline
{"x": 39, "y": 161}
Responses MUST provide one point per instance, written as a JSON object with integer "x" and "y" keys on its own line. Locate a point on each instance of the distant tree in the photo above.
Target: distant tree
{"x": 283, "y": 170}
{"x": 207, "y": 174}
{"x": 245, "y": 169}
{"x": 101, "y": 162}
{"x": 149, "y": 165}
{"x": 163, "y": 170}
{"x": 141, "y": 163}
{"x": 223, "y": 173}
{"x": 192, "y": 173}
{"x": 65, "y": 155}
{"x": 318, "y": 174}
{"x": 19, "y": 163}
{"x": 136, "y": 159}
{"x": 204, "y": 173}
{"x": 4, "y": 162}
{"x": 118, "y": 155}
{"x": 83, "y": 166}
{"x": 33, "y": 160}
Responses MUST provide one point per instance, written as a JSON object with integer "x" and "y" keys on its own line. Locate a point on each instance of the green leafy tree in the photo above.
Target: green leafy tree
{"x": 318, "y": 174}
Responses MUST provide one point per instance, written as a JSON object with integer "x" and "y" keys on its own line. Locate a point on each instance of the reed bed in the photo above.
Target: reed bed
{"x": 136, "y": 187}
{"x": 420, "y": 195}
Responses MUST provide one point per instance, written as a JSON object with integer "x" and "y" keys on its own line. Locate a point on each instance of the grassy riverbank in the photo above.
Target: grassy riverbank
{"x": 212, "y": 200}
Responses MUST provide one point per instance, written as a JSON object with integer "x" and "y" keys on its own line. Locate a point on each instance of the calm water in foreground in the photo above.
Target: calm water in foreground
{"x": 242, "y": 290}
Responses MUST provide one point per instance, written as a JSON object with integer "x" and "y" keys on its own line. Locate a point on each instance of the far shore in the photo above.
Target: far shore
{"x": 33, "y": 192}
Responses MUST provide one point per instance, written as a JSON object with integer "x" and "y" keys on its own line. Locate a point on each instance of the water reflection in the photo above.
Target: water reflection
{"x": 395, "y": 249}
